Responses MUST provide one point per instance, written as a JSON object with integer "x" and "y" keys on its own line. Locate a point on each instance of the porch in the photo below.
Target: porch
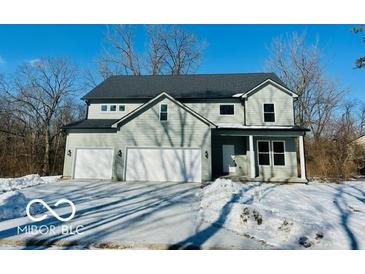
{"x": 259, "y": 154}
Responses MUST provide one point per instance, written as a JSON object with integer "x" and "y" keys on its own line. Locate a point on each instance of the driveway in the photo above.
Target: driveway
{"x": 124, "y": 215}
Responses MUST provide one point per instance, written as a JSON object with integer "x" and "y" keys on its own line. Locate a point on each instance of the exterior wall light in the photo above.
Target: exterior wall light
{"x": 206, "y": 154}
{"x": 120, "y": 153}
{"x": 69, "y": 152}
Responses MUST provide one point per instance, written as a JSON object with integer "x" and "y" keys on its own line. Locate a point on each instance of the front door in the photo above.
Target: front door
{"x": 228, "y": 152}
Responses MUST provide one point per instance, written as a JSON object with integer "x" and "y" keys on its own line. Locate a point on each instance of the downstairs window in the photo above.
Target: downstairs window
{"x": 278, "y": 153}
{"x": 263, "y": 149}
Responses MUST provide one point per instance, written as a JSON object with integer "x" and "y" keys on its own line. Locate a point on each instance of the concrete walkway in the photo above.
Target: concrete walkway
{"x": 124, "y": 215}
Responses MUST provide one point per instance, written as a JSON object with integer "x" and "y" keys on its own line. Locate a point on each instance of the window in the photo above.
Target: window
{"x": 113, "y": 108}
{"x": 278, "y": 153}
{"x": 121, "y": 107}
{"x": 227, "y": 109}
{"x": 269, "y": 113}
{"x": 263, "y": 148}
{"x": 163, "y": 112}
{"x": 104, "y": 108}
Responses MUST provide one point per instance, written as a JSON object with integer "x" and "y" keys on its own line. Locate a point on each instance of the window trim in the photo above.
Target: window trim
{"x": 258, "y": 152}
{"x": 120, "y": 106}
{"x": 116, "y": 110}
{"x": 101, "y": 108}
{"x": 226, "y": 105}
{"x": 263, "y": 112}
{"x": 110, "y": 106}
{"x": 273, "y": 153}
{"x": 160, "y": 111}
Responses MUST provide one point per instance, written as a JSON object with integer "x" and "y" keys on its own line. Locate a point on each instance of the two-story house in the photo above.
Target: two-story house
{"x": 187, "y": 128}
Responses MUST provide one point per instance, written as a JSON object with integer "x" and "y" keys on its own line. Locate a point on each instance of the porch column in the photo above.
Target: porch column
{"x": 302, "y": 158}
{"x": 252, "y": 158}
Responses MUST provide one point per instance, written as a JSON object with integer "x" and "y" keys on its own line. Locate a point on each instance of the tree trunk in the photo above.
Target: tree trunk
{"x": 46, "y": 152}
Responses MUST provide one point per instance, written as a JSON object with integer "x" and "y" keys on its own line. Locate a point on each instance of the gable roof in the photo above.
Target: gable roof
{"x": 179, "y": 86}
{"x": 156, "y": 99}
{"x": 265, "y": 83}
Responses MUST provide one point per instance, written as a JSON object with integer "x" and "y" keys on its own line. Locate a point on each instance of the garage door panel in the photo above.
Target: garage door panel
{"x": 178, "y": 165}
{"x": 94, "y": 163}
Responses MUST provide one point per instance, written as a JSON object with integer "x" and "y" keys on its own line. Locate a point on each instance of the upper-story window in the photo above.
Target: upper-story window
{"x": 226, "y": 109}
{"x": 112, "y": 108}
{"x": 163, "y": 112}
{"x": 104, "y": 108}
{"x": 269, "y": 113}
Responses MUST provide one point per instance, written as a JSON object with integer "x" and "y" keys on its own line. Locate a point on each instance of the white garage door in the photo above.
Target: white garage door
{"x": 94, "y": 163}
{"x": 156, "y": 164}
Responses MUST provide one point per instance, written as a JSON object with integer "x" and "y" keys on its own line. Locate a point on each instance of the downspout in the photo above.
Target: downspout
{"x": 87, "y": 108}
{"x": 244, "y": 111}
{"x": 305, "y": 159}
{"x": 294, "y": 100}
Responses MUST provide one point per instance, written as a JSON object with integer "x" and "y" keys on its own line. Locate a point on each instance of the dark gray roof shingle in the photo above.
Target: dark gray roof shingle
{"x": 179, "y": 86}
{"x": 91, "y": 124}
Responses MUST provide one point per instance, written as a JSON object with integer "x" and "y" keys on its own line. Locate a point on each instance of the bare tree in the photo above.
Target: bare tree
{"x": 119, "y": 56}
{"x": 168, "y": 50}
{"x": 299, "y": 66}
{"x": 156, "y": 53}
{"x": 182, "y": 49}
{"x": 39, "y": 96}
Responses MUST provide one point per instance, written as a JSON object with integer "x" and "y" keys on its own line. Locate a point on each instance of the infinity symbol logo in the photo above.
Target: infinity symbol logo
{"x": 41, "y": 218}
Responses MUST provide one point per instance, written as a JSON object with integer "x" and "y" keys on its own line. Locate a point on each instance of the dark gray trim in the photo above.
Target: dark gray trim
{"x": 91, "y": 124}
{"x": 267, "y": 129}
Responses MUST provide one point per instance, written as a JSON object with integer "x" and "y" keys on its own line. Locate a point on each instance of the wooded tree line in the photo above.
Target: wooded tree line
{"x": 43, "y": 95}
{"x": 323, "y": 106}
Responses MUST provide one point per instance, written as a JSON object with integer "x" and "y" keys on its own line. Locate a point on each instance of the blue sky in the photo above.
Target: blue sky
{"x": 230, "y": 48}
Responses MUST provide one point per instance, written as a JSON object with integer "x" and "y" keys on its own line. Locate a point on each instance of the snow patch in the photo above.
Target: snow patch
{"x": 317, "y": 215}
{"x": 13, "y": 205}
{"x": 10, "y": 184}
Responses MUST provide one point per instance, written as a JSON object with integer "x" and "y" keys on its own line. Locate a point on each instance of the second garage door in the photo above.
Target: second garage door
{"x": 163, "y": 164}
{"x": 93, "y": 163}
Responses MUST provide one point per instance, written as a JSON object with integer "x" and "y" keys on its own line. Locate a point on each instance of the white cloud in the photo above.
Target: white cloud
{"x": 2, "y": 60}
{"x": 34, "y": 62}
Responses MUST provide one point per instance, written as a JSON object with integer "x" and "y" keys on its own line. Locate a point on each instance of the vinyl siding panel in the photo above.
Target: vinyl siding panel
{"x": 95, "y": 113}
{"x": 181, "y": 130}
{"x": 211, "y": 111}
{"x": 269, "y": 94}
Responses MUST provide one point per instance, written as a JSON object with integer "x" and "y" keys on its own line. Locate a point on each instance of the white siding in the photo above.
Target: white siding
{"x": 211, "y": 111}
{"x": 269, "y": 94}
{"x": 94, "y": 111}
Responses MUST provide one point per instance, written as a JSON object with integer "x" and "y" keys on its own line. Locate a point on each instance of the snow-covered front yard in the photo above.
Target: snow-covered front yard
{"x": 13, "y": 202}
{"x": 291, "y": 216}
{"x": 284, "y": 216}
